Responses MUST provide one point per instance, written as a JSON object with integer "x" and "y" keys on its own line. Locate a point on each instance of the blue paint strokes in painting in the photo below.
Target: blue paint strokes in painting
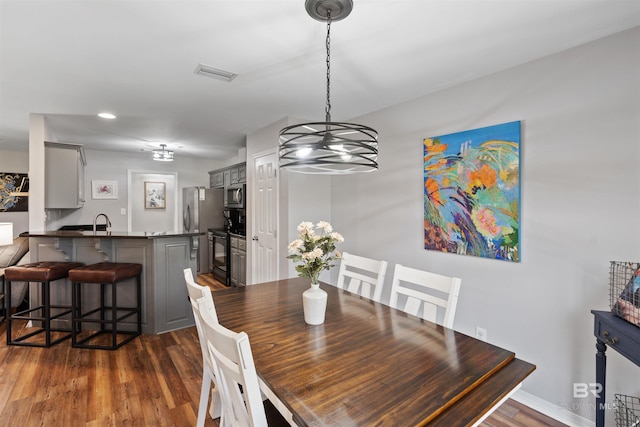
{"x": 472, "y": 192}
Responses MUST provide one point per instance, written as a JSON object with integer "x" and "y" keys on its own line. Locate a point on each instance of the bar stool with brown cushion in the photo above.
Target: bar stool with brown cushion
{"x": 108, "y": 319}
{"x": 43, "y": 272}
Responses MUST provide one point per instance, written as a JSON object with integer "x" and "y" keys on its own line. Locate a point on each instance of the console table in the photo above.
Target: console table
{"x": 621, "y": 336}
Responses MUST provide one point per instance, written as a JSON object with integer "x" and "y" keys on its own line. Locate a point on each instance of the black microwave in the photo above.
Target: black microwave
{"x": 234, "y": 196}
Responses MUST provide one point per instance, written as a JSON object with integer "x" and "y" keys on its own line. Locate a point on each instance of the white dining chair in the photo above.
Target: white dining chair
{"x": 236, "y": 373}
{"x": 421, "y": 293}
{"x": 199, "y": 293}
{"x": 362, "y": 276}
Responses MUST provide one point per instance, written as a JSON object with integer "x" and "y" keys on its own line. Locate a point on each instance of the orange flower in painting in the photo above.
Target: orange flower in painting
{"x": 433, "y": 191}
{"x": 434, "y": 146}
{"x": 485, "y": 177}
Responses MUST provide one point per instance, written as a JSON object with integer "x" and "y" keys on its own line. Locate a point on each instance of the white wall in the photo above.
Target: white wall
{"x": 580, "y": 207}
{"x": 16, "y": 162}
{"x": 113, "y": 166}
{"x": 143, "y": 219}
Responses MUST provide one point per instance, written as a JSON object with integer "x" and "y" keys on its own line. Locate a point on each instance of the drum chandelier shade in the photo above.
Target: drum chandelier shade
{"x": 328, "y": 147}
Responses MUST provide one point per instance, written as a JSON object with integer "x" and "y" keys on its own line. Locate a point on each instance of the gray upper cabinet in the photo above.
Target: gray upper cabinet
{"x": 64, "y": 175}
{"x": 216, "y": 179}
{"x": 239, "y": 174}
{"x": 233, "y": 175}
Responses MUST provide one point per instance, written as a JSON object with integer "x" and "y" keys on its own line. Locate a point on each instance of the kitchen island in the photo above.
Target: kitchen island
{"x": 163, "y": 255}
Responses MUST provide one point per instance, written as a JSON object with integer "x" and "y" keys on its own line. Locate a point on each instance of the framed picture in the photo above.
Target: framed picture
{"x": 104, "y": 189}
{"x": 14, "y": 192}
{"x": 154, "y": 195}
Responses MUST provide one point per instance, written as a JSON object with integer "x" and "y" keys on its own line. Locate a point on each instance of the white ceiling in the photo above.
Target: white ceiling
{"x": 70, "y": 60}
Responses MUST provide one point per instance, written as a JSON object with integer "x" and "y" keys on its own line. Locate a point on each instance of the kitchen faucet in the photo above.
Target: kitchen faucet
{"x": 95, "y": 221}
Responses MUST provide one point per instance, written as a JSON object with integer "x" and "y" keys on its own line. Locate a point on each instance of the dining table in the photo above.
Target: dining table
{"x": 368, "y": 364}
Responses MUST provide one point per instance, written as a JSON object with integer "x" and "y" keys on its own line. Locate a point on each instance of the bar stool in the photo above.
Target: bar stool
{"x": 104, "y": 273}
{"x": 43, "y": 272}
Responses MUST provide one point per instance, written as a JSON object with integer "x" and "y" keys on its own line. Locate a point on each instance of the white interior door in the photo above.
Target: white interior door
{"x": 265, "y": 218}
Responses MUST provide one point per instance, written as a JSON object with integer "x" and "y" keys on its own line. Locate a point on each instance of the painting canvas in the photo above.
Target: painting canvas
{"x": 472, "y": 192}
{"x": 14, "y": 192}
{"x": 154, "y": 195}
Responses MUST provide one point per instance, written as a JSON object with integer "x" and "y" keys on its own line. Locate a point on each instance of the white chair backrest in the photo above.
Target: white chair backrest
{"x": 426, "y": 290}
{"x": 362, "y": 276}
{"x": 198, "y": 294}
{"x": 234, "y": 366}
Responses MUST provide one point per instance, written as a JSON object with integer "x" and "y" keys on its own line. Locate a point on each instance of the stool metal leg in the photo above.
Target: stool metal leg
{"x": 7, "y": 288}
{"x": 75, "y": 311}
{"x": 114, "y": 315}
{"x": 103, "y": 311}
{"x": 46, "y": 323}
{"x": 139, "y": 302}
{"x": 4, "y": 299}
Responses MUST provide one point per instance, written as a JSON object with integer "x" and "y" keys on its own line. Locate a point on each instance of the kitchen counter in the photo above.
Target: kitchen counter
{"x": 109, "y": 234}
{"x": 163, "y": 256}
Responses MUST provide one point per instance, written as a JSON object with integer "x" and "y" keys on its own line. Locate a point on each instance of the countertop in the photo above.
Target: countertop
{"x": 109, "y": 234}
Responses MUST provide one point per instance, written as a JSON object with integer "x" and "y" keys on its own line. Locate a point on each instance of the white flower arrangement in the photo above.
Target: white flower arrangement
{"x": 314, "y": 252}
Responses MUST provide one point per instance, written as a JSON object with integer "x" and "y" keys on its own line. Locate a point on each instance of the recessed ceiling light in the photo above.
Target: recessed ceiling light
{"x": 205, "y": 70}
{"x": 107, "y": 115}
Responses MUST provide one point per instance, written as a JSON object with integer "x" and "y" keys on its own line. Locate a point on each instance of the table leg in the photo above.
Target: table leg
{"x": 601, "y": 373}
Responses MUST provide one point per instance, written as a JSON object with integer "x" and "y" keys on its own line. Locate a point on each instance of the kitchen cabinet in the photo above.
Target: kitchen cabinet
{"x": 238, "y": 261}
{"x": 216, "y": 179}
{"x": 236, "y": 174}
{"x": 64, "y": 175}
{"x": 163, "y": 256}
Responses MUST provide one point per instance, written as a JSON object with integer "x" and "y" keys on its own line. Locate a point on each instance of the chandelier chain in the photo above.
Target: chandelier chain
{"x": 328, "y": 44}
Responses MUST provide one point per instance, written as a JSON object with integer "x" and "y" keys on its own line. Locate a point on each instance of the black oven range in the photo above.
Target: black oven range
{"x": 219, "y": 255}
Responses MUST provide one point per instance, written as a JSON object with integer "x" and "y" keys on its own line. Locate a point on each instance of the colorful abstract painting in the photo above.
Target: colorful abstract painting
{"x": 14, "y": 192}
{"x": 472, "y": 192}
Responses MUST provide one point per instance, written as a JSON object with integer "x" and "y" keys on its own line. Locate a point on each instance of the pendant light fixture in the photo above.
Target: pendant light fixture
{"x": 163, "y": 155}
{"x": 328, "y": 147}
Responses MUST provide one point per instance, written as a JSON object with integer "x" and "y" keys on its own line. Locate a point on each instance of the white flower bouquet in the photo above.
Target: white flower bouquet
{"x": 315, "y": 249}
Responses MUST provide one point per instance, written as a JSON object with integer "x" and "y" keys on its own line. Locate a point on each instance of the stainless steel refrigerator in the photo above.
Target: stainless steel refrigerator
{"x": 201, "y": 210}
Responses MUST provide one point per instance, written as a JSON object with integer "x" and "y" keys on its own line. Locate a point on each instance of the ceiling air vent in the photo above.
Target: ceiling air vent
{"x": 205, "y": 70}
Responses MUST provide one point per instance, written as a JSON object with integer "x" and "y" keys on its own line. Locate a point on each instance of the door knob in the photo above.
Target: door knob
{"x": 255, "y": 238}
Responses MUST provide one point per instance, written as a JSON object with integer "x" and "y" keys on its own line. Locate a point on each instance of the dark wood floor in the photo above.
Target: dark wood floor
{"x": 152, "y": 381}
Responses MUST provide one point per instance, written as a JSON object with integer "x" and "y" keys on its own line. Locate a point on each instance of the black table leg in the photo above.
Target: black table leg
{"x": 601, "y": 373}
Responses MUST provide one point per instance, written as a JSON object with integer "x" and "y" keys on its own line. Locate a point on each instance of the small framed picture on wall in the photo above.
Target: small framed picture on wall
{"x": 101, "y": 189}
{"x": 154, "y": 195}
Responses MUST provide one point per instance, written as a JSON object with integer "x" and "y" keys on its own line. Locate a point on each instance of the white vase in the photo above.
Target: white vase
{"x": 314, "y": 305}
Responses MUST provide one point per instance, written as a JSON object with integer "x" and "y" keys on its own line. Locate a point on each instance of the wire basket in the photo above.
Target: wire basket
{"x": 627, "y": 411}
{"x": 624, "y": 291}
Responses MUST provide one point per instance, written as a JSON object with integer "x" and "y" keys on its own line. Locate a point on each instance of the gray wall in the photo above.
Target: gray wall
{"x": 113, "y": 166}
{"x": 580, "y": 207}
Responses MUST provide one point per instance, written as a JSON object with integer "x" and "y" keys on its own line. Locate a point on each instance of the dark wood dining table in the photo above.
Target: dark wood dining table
{"x": 368, "y": 364}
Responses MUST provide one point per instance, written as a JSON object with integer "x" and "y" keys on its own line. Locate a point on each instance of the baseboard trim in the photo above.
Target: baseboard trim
{"x": 551, "y": 410}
